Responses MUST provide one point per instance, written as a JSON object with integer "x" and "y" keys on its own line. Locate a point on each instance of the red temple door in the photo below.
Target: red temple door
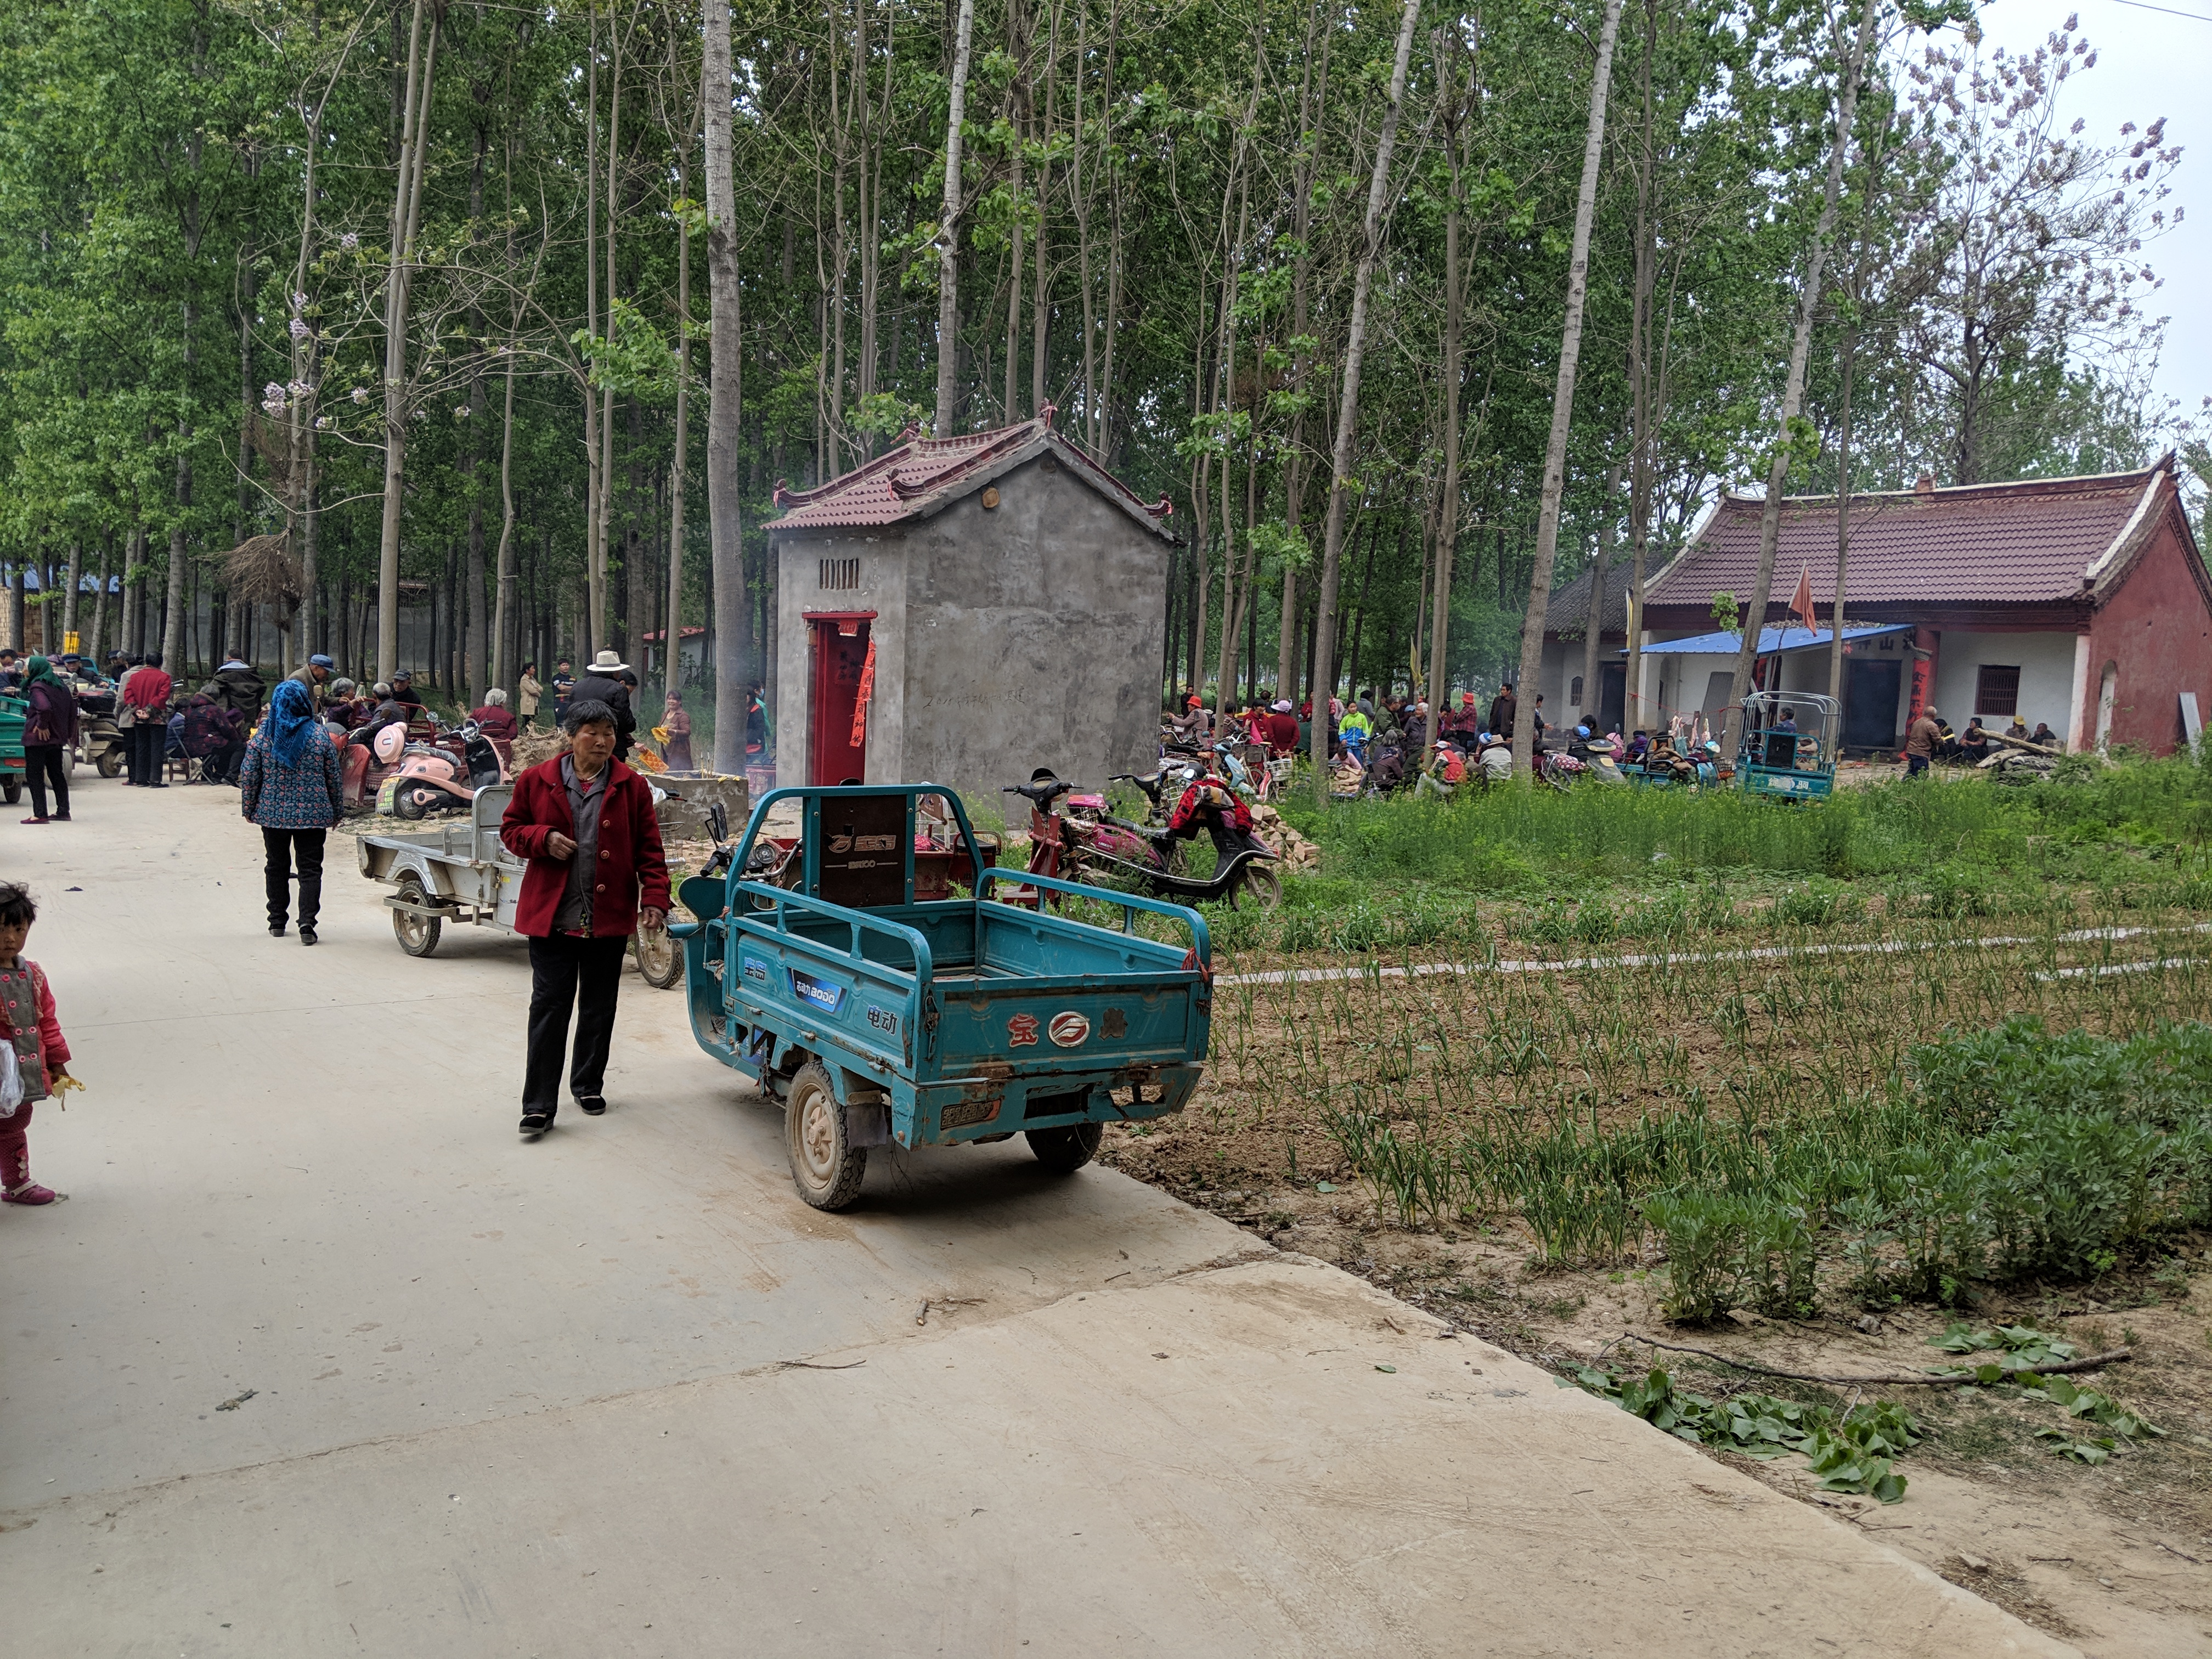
{"x": 840, "y": 646}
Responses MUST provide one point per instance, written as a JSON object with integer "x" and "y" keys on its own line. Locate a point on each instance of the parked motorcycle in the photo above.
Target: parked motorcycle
{"x": 1091, "y": 842}
{"x": 100, "y": 741}
{"x": 431, "y": 778}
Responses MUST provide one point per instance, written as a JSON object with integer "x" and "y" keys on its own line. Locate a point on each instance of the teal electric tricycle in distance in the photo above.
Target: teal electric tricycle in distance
{"x": 845, "y": 969}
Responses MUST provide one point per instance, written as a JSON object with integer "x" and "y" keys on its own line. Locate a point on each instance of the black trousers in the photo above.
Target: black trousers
{"x": 566, "y": 972}
{"x": 146, "y": 740}
{"x": 42, "y": 762}
{"x": 281, "y": 847}
{"x": 222, "y": 766}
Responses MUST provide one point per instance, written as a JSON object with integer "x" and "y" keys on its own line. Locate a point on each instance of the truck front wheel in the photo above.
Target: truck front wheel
{"x": 825, "y": 1166}
{"x": 1065, "y": 1150}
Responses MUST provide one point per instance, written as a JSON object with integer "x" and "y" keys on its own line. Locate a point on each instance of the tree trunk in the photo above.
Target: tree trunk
{"x": 172, "y": 619}
{"x": 406, "y": 208}
{"x": 1448, "y": 514}
{"x": 1592, "y": 705}
{"x": 1313, "y": 86}
{"x": 672, "y": 634}
{"x": 1562, "y": 399}
{"x": 1041, "y": 285}
{"x": 1642, "y": 412}
{"x": 1793, "y": 392}
{"x": 725, "y": 544}
{"x": 948, "y": 229}
{"x": 1347, "y": 414}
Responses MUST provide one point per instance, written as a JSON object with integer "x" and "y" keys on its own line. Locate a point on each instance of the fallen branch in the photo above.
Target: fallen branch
{"x": 1918, "y": 1379}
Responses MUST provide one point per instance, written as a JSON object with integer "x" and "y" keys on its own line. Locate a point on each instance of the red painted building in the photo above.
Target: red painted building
{"x": 2083, "y": 603}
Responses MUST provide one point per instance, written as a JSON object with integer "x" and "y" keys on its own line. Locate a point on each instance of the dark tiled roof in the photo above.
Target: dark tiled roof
{"x": 917, "y": 477}
{"x": 2029, "y": 542}
{"x": 1568, "y": 610}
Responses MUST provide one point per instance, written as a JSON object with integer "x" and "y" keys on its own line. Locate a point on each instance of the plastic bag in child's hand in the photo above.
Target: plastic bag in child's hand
{"x": 11, "y": 1079}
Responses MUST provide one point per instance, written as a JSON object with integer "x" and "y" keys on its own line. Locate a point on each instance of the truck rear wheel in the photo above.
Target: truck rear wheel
{"x": 1064, "y": 1150}
{"x": 417, "y": 935}
{"x": 825, "y": 1166}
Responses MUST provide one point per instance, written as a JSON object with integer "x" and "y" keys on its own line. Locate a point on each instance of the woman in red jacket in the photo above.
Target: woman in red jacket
{"x": 584, "y": 824}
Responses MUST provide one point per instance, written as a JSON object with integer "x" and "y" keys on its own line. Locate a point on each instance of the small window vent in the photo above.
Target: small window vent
{"x": 840, "y": 575}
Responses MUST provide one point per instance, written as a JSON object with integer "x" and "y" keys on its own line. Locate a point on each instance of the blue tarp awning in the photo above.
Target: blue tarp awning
{"x": 1792, "y": 637}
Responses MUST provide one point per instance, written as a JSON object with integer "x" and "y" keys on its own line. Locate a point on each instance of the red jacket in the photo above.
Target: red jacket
{"x": 633, "y": 872}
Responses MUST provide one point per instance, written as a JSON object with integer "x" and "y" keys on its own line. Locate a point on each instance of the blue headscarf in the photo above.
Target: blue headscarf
{"x": 291, "y": 720}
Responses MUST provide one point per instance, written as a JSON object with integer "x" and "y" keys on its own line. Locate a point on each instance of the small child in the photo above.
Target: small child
{"x": 26, "y": 1018}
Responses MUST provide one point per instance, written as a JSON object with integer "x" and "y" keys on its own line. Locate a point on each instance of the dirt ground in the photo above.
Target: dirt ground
{"x": 2117, "y": 1558}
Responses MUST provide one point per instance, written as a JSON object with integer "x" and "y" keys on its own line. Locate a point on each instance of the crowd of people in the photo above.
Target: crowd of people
{"x": 1379, "y": 745}
{"x": 1931, "y": 741}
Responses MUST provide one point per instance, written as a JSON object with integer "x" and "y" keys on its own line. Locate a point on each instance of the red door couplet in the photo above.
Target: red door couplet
{"x": 840, "y": 645}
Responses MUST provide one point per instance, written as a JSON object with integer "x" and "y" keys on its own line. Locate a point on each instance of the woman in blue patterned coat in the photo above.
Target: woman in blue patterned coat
{"x": 291, "y": 785}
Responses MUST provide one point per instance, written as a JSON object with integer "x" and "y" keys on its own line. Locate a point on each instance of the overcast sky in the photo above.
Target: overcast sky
{"x": 2149, "y": 64}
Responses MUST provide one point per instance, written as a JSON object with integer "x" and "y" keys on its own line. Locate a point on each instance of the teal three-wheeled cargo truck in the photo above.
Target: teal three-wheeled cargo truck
{"x": 848, "y": 973}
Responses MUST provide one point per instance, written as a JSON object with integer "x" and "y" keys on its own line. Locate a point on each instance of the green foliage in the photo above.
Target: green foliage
{"x": 1855, "y": 1453}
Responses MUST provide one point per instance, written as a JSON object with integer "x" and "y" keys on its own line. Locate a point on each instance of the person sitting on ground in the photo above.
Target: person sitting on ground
{"x": 1494, "y": 757}
{"x": 493, "y": 718}
{"x": 2045, "y": 735}
{"x": 1974, "y": 742}
{"x": 1446, "y": 770}
{"x": 1388, "y": 774}
{"x": 1946, "y": 741}
{"x": 2018, "y": 730}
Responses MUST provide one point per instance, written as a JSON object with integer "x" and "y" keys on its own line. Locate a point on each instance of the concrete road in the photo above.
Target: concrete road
{"x": 319, "y": 1359}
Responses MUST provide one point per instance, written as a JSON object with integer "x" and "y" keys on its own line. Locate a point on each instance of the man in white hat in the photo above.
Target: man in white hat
{"x": 603, "y": 682}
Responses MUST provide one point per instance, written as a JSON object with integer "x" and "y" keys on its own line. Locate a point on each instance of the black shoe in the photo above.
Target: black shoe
{"x": 306, "y": 934}
{"x": 536, "y": 1123}
{"x": 592, "y": 1105}
{"x": 278, "y": 932}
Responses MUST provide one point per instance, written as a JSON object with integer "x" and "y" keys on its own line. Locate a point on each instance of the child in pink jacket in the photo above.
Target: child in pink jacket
{"x": 27, "y": 1019}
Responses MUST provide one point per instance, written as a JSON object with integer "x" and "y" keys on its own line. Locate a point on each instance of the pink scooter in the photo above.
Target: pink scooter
{"x": 430, "y": 779}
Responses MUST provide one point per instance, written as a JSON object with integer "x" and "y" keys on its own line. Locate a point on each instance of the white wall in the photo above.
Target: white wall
{"x": 2045, "y": 662}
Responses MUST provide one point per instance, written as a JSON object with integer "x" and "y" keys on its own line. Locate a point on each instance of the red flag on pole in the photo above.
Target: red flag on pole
{"x": 1801, "y": 606}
